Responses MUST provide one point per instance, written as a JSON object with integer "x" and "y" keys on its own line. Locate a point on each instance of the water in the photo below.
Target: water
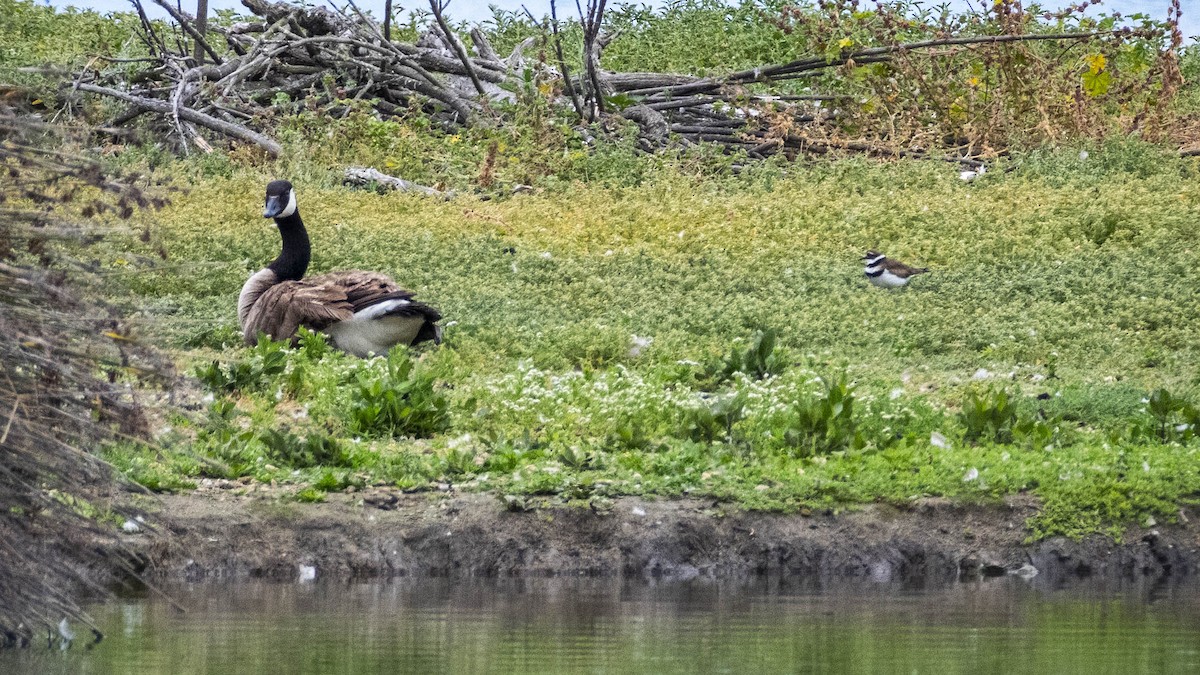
{"x": 563, "y": 626}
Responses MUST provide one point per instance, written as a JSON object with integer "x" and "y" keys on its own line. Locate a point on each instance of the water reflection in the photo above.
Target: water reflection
{"x": 591, "y": 625}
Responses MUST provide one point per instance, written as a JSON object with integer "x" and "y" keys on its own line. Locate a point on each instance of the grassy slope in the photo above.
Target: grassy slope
{"x": 1067, "y": 267}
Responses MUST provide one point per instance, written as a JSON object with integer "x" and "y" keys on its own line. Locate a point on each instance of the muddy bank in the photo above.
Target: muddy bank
{"x": 219, "y": 535}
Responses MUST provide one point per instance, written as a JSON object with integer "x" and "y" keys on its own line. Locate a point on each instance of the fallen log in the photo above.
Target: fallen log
{"x": 363, "y": 176}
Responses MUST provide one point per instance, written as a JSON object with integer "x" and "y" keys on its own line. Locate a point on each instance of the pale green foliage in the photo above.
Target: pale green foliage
{"x": 546, "y": 396}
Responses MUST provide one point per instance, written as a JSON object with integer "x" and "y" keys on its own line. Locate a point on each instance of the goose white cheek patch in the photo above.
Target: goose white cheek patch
{"x": 291, "y": 205}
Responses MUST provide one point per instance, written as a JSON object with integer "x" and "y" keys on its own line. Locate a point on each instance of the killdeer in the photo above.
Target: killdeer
{"x": 887, "y": 273}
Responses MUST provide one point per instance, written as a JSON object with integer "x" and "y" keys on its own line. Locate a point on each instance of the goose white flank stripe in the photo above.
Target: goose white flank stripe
{"x": 363, "y": 313}
{"x": 887, "y": 273}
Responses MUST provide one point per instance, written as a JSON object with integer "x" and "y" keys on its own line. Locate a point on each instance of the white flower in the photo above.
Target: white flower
{"x": 637, "y": 344}
{"x": 981, "y": 374}
{"x": 938, "y": 440}
{"x": 1083, "y": 155}
{"x": 972, "y": 474}
{"x": 896, "y": 393}
{"x": 546, "y": 255}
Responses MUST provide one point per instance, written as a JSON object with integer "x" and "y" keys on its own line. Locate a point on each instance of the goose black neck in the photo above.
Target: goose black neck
{"x": 292, "y": 262}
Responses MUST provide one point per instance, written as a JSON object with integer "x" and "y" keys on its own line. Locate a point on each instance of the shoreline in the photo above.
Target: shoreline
{"x": 219, "y": 536}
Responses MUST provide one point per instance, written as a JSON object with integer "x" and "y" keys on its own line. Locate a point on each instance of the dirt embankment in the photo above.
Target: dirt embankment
{"x": 216, "y": 534}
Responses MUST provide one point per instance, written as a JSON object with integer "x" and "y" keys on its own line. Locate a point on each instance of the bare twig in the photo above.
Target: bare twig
{"x": 562, "y": 62}
{"x": 594, "y": 97}
{"x": 860, "y": 56}
{"x": 438, "y": 6}
{"x": 229, "y": 129}
{"x": 184, "y": 22}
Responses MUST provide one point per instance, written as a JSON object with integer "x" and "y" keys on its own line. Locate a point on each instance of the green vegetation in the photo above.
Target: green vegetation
{"x": 691, "y": 323}
{"x": 604, "y": 341}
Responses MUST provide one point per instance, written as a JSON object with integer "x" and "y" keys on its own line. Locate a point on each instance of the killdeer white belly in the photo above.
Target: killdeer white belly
{"x": 887, "y": 273}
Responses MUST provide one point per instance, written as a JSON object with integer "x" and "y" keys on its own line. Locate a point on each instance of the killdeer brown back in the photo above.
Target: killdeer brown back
{"x": 884, "y": 272}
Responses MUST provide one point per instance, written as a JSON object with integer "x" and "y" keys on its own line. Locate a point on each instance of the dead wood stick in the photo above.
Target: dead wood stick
{"x": 126, "y": 117}
{"x": 185, "y": 23}
{"x": 163, "y": 107}
{"x": 361, "y": 175}
{"x": 405, "y": 53}
{"x": 483, "y": 46}
{"x": 591, "y": 53}
{"x": 820, "y": 62}
{"x": 437, "y": 6}
{"x": 562, "y": 62}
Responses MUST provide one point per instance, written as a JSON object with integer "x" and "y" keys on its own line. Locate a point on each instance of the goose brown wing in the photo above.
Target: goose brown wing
{"x": 286, "y": 306}
{"x": 366, "y": 289}
{"x": 362, "y": 289}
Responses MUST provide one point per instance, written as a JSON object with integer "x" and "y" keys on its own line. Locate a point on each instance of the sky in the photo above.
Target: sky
{"x": 478, "y": 10}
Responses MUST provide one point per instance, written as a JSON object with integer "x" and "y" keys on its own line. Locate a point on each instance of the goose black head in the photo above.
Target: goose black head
{"x": 281, "y": 200}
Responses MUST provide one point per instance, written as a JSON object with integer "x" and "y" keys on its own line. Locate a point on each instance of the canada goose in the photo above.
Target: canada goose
{"x": 886, "y": 272}
{"x": 363, "y": 312}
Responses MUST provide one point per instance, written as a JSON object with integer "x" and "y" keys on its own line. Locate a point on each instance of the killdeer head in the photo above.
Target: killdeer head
{"x": 885, "y": 272}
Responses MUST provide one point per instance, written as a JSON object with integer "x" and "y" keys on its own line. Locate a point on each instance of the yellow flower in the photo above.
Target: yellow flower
{"x": 846, "y": 43}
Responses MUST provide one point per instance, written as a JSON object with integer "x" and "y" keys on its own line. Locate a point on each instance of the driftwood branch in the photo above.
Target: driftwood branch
{"x": 872, "y": 55}
{"x": 483, "y": 47}
{"x": 339, "y": 60}
{"x": 228, "y": 128}
{"x": 592, "y": 44}
{"x": 185, "y": 22}
{"x": 363, "y": 176}
{"x": 438, "y": 6}
{"x": 562, "y": 62}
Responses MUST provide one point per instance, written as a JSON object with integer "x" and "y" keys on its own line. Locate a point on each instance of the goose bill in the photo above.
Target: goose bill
{"x": 273, "y": 207}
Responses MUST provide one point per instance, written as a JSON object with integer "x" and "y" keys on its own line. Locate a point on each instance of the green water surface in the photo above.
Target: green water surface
{"x": 598, "y": 626}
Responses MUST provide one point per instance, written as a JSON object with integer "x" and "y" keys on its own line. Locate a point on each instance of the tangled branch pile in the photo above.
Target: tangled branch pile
{"x": 961, "y": 88}
{"x": 60, "y": 361}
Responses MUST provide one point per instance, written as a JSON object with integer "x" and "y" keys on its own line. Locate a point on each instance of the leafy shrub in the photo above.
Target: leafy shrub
{"x": 400, "y": 401}
{"x": 989, "y": 415}
{"x": 758, "y": 361}
{"x": 312, "y": 345}
{"x": 266, "y": 359}
{"x": 331, "y": 481}
{"x": 714, "y": 417}
{"x": 315, "y": 449}
{"x": 825, "y": 422}
{"x": 309, "y": 495}
{"x": 220, "y": 439}
{"x": 458, "y": 462}
{"x": 995, "y": 416}
{"x": 1174, "y": 417}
